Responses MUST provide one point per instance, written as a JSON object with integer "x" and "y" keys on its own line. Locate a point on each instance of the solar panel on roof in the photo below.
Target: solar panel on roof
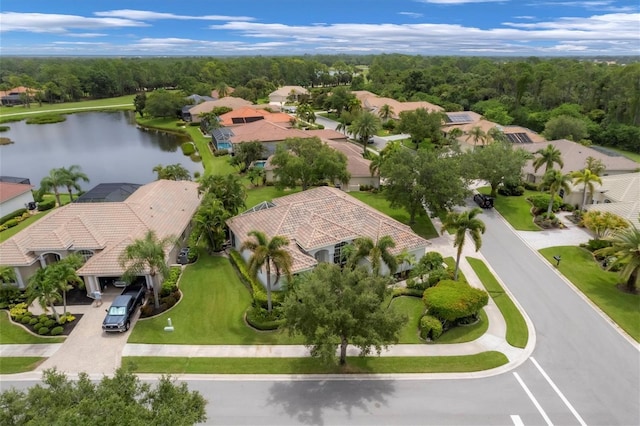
{"x": 518, "y": 138}
{"x": 459, "y": 118}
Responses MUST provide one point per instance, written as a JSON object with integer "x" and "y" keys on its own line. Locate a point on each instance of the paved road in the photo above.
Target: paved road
{"x": 63, "y": 110}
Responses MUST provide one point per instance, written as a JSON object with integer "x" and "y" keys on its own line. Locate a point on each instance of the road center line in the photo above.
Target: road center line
{"x": 555, "y": 388}
{"x": 517, "y": 421}
{"x": 533, "y": 399}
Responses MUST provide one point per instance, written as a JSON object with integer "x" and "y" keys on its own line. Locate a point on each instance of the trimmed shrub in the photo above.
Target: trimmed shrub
{"x": 49, "y": 323}
{"x": 188, "y": 148}
{"x": 531, "y": 186}
{"x": 220, "y": 152}
{"x": 43, "y": 318}
{"x": 33, "y": 321}
{"x": 19, "y": 309}
{"x": 27, "y": 319}
{"x": 438, "y": 275}
{"x": 10, "y": 223}
{"x": 451, "y": 300}
{"x": 402, "y": 291}
{"x": 430, "y": 327}
{"x": 43, "y": 330}
{"x": 10, "y": 294}
{"x": 593, "y": 244}
{"x": 12, "y": 215}
{"x": 540, "y": 202}
{"x": 261, "y": 319}
{"x": 170, "y": 285}
{"x": 56, "y": 331}
{"x": 511, "y": 189}
{"x": 46, "y": 205}
{"x": 146, "y": 310}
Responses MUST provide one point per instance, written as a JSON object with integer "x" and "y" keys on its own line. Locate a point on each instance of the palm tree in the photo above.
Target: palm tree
{"x": 52, "y": 182}
{"x": 460, "y": 223}
{"x": 377, "y": 252}
{"x": 555, "y": 180}
{"x": 228, "y": 189}
{"x": 495, "y": 134}
{"x": 547, "y": 158}
{"x": 588, "y": 178}
{"x": 147, "y": 255}
{"x": 70, "y": 178}
{"x": 306, "y": 113}
{"x": 385, "y": 112}
{"x": 625, "y": 247}
{"x": 454, "y": 134}
{"x": 223, "y": 90}
{"x": 44, "y": 290}
{"x": 363, "y": 127}
{"x": 7, "y": 274}
{"x": 405, "y": 258}
{"x": 268, "y": 252}
{"x": 374, "y": 165}
{"x": 63, "y": 273}
{"x": 477, "y": 134}
{"x": 596, "y": 166}
{"x": 209, "y": 222}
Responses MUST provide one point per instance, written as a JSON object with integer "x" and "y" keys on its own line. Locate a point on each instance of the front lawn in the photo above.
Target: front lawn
{"x": 12, "y": 365}
{"x": 12, "y": 334}
{"x": 266, "y": 193}
{"x": 211, "y": 311}
{"x": 517, "y": 331}
{"x": 423, "y": 225}
{"x": 355, "y": 365}
{"x": 516, "y": 210}
{"x": 598, "y": 285}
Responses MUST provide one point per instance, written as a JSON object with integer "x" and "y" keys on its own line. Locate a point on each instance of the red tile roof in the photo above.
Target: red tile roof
{"x": 10, "y": 190}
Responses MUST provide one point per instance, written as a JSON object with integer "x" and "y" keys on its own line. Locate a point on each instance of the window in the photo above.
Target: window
{"x": 85, "y": 254}
{"x": 337, "y": 253}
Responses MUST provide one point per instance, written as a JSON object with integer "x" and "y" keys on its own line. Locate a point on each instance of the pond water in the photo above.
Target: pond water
{"x": 106, "y": 145}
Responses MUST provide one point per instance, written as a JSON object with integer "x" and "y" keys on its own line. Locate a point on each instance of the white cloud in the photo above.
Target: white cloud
{"x": 596, "y": 5}
{"x": 411, "y": 14}
{"x": 55, "y": 23}
{"x": 86, "y": 35}
{"x": 150, "y": 15}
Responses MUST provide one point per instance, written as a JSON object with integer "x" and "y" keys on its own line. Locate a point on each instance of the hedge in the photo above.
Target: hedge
{"x": 12, "y": 215}
{"x": 47, "y": 204}
{"x": 260, "y": 319}
{"x": 541, "y": 202}
{"x": 430, "y": 327}
{"x": 452, "y": 300}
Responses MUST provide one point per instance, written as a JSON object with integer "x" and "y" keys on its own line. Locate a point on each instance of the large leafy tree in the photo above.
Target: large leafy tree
{"x": 247, "y": 152}
{"x": 209, "y": 223}
{"x": 332, "y": 307}
{"x": 139, "y": 103}
{"x": 121, "y": 399}
{"x": 164, "y": 103}
{"x": 377, "y": 252}
{"x": 70, "y": 178}
{"x": 54, "y": 180}
{"x": 566, "y": 127}
{"x": 228, "y": 189}
{"x": 554, "y": 180}
{"x": 625, "y": 247}
{"x": 426, "y": 178}
{"x": 172, "y": 172}
{"x": 547, "y": 157}
{"x": 498, "y": 163}
{"x": 459, "y": 224}
{"x": 421, "y": 124}
{"x": 364, "y": 126}
{"x": 147, "y": 256}
{"x": 588, "y": 179}
{"x": 306, "y": 162}
{"x": 268, "y": 252}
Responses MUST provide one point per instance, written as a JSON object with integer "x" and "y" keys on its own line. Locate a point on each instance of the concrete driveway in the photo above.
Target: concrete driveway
{"x": 88, "y": 348}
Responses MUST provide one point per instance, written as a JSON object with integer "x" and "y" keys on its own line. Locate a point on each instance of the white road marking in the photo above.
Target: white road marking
{"x": 517, "y": 421}
{"x": 533, "y": 399}
{"x": 555, "y": 388}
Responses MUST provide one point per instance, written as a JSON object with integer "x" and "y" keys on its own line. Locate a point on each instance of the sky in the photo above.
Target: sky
{"x": 286, "y": 27}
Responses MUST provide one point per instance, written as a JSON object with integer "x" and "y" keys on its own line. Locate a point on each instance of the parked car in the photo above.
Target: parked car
{"x": 483, "y": 201}
{"x": 119, "y": 314}
{"x": 370, "y": 141}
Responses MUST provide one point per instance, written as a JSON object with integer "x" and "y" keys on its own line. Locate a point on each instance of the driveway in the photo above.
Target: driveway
{"x": 88, "y": 348}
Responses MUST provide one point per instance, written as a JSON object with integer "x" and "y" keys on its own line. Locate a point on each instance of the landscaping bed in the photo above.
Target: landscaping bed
{"x": 43, "y": 324}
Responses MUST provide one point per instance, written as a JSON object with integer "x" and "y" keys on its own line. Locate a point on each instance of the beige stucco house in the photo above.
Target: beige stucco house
{"x": 319, "y": 222}
{"x": 100, "y": 232}
{"x": 373, "y": 103}
{"x": 14, "y": 196}
{"x": 285, "y": 93}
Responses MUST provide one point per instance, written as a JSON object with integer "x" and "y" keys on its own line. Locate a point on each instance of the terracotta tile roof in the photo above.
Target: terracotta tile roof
{"x": 163, "y": 206}
{"x": 574, "y": 156}
{"x": 265, "y": 131}
{"x": 322, "y": 217}
{"x": 623, "y": 192}
{"x": 373, "y": 102}
{"x": 286, "y": 91}
{"x": 533, "y": 136}
{"x": 208, "y": 106}
{"x": 357, "y": 165}
{"x": 9, "y": 190}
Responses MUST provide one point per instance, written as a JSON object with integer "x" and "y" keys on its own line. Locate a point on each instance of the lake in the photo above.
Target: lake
{"x": 106, "y": 145}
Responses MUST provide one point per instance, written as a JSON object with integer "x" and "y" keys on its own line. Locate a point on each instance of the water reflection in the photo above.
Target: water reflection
{"x": 107, "y": 145}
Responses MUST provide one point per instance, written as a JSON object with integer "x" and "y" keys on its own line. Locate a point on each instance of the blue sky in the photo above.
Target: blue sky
{"x": 285, "y": 27}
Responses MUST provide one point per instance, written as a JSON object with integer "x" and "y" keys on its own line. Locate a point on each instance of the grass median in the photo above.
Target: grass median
{"x": 20, "y": 364}
{"x": 598, "y": 285}
{"x": 355, "y": 365}
{"x": 517, "y": 331}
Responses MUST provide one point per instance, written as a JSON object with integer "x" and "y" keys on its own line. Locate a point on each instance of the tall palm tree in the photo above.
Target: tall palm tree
{"x": 548, "y": 157}
{"x": 385, "y": 112}
{"x": 209, "y": 223}
{"x": 306, "y": 113}
{"x": 454, "y": 134}
{"x": 554, "y": 180}
{"x": 228, "y": 189}
{"x": 495, "y": 134}
{"x": 7, "y": 274}
{"x": 586, "y": 177}
{"x": 405, "y": 258}
{"x": 147, "y": 255}
{"x": 460, "y": 223}
{"x": 374, "y": 165}
{"x": 268, "y": 252}
{"x": 223, "y": 90}
{"x": 477, "y": 134}
{"x": 53, "y": 181}
{"x": 44, "y": 290}
{"x": 70, "y": 178}
{"x": 377, "y": 252}
{"x": 63, "y": 274}
{"x": 596, "y": 166}
{"x": 626, "y": 249}
{"x": 363, "y": 127}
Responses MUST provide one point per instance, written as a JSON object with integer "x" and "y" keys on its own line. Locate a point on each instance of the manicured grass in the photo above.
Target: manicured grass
{"x": 598, "y": 285}
{"x": 630, "y": 155}
{"x": 467, "y": 333}
{"x": 20, "y": 112}
{"x": 517, "y": 331}
{"x": 423, "y": 225}
{"x": 12, "y": 365}
{"x": 8, "y": 233}
{"x": 210, "y": 313}
{"x": 413, "y": 308}
{"x": 11, "y": 334}
{"x": 516, "y": 210}
{"x": 266, "y": 193}
{"x": 355, "y": 365}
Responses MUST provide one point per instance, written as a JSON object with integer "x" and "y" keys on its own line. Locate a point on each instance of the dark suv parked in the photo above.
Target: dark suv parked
{"x": 483, "y": 201}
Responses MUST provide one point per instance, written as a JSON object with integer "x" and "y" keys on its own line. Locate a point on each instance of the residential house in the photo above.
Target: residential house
{"x": 372, "y": 102}
{"x": 319, "y": 223}
{"x": 15, "y": 194}
{"x": 249, "y": 114}
{"x": 618, "y": 194}
{"x": 208, "y": 106}
{"x": 195, "y": 100}
{"x": 16, "y": 96}
{"x": 286, "y": 94}
{"x": 574, "y": 157}
{"x": 264, "y": 131}
{"x": 100, "y": 232}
